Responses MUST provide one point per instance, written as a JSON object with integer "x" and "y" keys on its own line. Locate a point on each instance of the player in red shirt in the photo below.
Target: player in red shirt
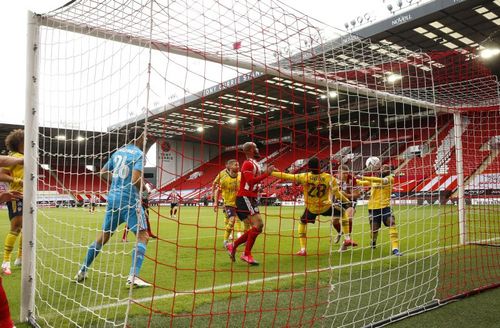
{"x": 246, "y": 202}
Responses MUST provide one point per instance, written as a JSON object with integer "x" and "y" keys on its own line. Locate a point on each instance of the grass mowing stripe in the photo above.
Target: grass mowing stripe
{"x": 256, "y": 281}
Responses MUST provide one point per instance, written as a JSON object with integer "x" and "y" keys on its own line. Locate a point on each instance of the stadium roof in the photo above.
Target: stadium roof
{"x": 442, "y": 35}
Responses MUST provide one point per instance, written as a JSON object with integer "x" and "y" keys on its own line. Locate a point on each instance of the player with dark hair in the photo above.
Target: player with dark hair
{"x": 14, "y": 174}
{"x": 124, "y": 172}
{"x": 379, "y": 207}
{"x": 318, "y": 190}
{"x": 246, "y": 202}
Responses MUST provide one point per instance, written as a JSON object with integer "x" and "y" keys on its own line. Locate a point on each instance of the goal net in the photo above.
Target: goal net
{"x": 200, "y": 79}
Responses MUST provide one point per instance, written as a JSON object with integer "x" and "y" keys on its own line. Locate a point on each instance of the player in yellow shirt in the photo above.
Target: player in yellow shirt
{"x": 227, "y": 183}
{"x": 14, "y": 176}
{"x": 318, "y": 190}
{"x": 379, "y": 206}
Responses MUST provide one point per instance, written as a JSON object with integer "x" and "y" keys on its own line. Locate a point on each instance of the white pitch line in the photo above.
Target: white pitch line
{"x": 257, "y": 281}
{"x": 250, "y": 282}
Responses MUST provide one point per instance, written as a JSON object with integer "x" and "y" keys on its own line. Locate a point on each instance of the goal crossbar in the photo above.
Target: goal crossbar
{"x": 252, "y": 66}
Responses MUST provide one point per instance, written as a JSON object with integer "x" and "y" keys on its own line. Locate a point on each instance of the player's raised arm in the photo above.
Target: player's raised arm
{"x": 250, "y": 177}
{"x": 385, "y": 180}
{"x": 363, "y": 183}
{"x": 296, "y": 178}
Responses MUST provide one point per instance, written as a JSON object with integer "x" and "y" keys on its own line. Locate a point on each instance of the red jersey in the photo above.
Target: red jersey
{"x": 5, "y": 319}
{"x": 350, "y": 185}
{"x": 251, "y": 175}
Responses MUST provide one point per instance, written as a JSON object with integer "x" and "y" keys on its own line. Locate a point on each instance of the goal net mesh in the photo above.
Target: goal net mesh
{"x": 201, "y": 78}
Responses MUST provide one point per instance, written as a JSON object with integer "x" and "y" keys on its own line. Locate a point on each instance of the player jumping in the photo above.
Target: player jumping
{"x": 246, "y": 202}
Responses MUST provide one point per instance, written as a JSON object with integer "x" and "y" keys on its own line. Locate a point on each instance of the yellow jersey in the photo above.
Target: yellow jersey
{"x": 380, "y": 191}
{"x": 318, "y": 189}
{"x": 229, "y": 186}
{"x": 17, "y": 172}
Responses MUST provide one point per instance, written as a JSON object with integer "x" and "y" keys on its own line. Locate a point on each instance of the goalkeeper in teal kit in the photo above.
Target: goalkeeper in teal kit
{"x": 123, "y": 171}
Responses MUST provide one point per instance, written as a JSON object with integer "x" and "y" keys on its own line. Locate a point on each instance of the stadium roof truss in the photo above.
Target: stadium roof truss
{"x": 418, "y": 41}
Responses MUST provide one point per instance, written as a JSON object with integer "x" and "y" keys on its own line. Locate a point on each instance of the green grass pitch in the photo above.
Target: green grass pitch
{"x": 196, "y": 282}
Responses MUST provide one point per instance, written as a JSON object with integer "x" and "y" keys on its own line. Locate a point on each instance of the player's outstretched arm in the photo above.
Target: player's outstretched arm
{"x": 286, "y": 176}
{"x": 10, "y": 161}
{"x": 247, "y": 172}
{"x": 376, "y": 180}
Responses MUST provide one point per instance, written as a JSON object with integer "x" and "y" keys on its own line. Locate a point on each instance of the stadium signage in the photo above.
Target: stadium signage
{"x": 401, "y": 19}
{"x": 231, "y": 83}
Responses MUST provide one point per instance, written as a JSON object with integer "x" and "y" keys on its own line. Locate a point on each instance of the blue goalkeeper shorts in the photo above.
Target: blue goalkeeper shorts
{"x": 126, "y": 214}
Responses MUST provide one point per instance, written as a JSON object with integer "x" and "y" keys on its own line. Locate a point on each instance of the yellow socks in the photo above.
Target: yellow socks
{"x": 10, "y": 240}
{"x": 20, "y": 249}
{"x": 344, "y": 221}
{"x": 302, "y": 230}
{"x": 228, "y": 229}
{"x": 393, "y": 235}
{"x": 238, "y": 228}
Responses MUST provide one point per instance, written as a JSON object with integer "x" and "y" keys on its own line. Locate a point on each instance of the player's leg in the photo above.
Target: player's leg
{"x": 172, "y": 210}
{"x": 302, "y": 231}
{"x": 255, "y": 230}
{"x": 93, "y": 250}
{"x": 375, "y": 223}
{"x": 108, "y": 228}
{"x": 238, "y": 228}
{"x": 343, "y": 216}
{"x": 125, "y": 234}
{"x": 350, "y": 214}
{"x": 229, "y": 221}
{"x": 390, "y": 221}
{"x": 176, "y": 207}
{"x": 16, "y": 223}
{"x": 138, "y": 225}
{"x": 19, "y": 259}
{"x": 242, "y": 212}
{"x": 346, "y": 219}
{"x": 228, "y": 230}
{"x": 337, "y": 227}
{"x": 150, "y": 232}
